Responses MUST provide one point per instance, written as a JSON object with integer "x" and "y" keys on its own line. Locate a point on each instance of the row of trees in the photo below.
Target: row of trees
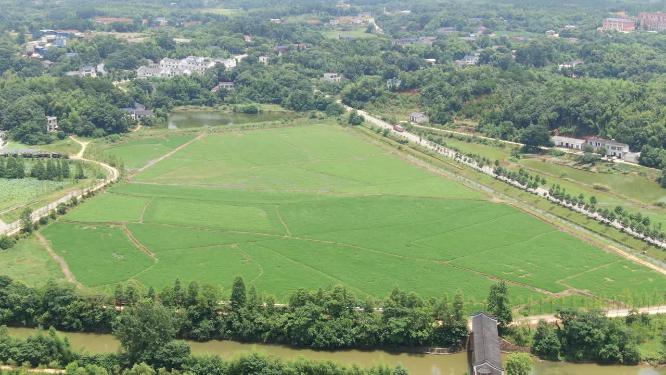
{"x": 635, "y": 221}
{"x": 325, "y": 319}
{"x": 523, "y": 177}
{"x": 52, "y": 170}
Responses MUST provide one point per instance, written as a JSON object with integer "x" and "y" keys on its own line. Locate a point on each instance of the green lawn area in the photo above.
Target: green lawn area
{"x": 29, "y": 263}
{"x": 17, "y": 194}
{"x": 97, "y": 254}
{"x": 491, "y": 152}
{"x": 136, "y": 152}
{"x": 318, "y": 205}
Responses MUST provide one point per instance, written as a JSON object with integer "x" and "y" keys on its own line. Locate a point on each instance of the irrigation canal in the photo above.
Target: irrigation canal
{"x": 418, "y": 364}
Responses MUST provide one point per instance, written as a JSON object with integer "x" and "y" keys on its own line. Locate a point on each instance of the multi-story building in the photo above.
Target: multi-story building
{"x": 613, "y": 148}
{"x": 623, "y": 25}
{"x": 190, "y": 65}
{"x": 51, "y": 124}
{"x": 652, "y": 21}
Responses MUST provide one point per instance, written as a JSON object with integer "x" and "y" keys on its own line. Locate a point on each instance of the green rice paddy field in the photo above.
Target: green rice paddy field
{"x": 318, "y": 205}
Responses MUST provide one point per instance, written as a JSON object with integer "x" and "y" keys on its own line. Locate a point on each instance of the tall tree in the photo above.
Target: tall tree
{"x": 499, "y": 305}
{"x": 143, "y": 329}
{"x": 238, "y": 294}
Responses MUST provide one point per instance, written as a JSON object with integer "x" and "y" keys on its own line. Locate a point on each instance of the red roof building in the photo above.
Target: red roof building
{"x": 652, "y": 21}
{"x": 623, "y": 25}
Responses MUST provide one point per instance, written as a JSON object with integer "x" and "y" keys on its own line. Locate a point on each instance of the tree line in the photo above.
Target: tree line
{"x": 52, "y": 170}
{"x": 49, "y": 349}
{"x": 329, "y": 318}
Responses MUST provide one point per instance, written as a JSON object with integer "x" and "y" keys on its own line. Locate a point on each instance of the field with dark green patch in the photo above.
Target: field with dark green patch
{"x": 318, "y": 205}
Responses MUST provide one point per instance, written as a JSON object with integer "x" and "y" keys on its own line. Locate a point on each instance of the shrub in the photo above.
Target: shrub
{"x": 6, "y": 242}
{"x": 600, "y": 187}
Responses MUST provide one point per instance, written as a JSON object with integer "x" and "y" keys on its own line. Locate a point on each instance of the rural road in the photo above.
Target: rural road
{"x": 10, "y": 229}
{"x": 615, "y": 313}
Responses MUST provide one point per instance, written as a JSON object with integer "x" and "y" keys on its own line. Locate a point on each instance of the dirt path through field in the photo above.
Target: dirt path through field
{"x": 64, "y": 267}
{"x": 167, "y": 155}
{"x": 614, "y": 313}
{"x": 137, "y": 243}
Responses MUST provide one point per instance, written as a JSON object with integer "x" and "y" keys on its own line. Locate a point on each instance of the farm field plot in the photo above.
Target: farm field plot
{"x": 137, "y": 152}
{"x": 17, "y": 194}
{"x": 313, "y": 206}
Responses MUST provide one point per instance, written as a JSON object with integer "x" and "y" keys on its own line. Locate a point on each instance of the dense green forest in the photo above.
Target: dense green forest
{"x": 616, "y": 90}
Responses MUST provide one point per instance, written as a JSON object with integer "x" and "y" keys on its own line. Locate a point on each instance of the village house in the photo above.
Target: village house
{"x": 552, "y": 34}
{"x": 486, "y": 356}
{"x": 138, "y": 112}
{"x": 248, "y": 38}
{"x": 361, "y": 19}
{"x": 332, "y": 77}
{"x": 568, "y": 142}
{"x": 613, "y": 148}
{"x": 393, "y": 83}
{"x": 652, "y": 21}
{"x": 470, "y": 59}
{"x": 281, "y": 50}
{"x": 447, "y": 30}
{"x": 623, "y": 25}
{"x": 51, "y": 124}
{"x": 228, "y": 86}
{"x": 87, "y": 71}
{"x": 418, "y": 118}
{"x": 423, "y": 40}
{"x": 112, "y": 20}
{"x": 167, "y": 67}
{"x": 160, "y": 22}
{"x": 264, "y": 60}
{"x": 570, "y": 64}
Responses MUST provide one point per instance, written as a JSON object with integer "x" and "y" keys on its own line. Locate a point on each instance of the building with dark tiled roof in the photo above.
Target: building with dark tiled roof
{"x": 486, "y": 356}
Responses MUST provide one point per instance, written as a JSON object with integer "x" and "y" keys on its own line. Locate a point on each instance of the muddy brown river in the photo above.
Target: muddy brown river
{"x": 421, "y": 364}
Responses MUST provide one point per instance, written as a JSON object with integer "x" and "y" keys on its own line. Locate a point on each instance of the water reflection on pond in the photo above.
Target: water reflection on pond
{"x": 203, "y": 118}
{"x": 455, "y": 364}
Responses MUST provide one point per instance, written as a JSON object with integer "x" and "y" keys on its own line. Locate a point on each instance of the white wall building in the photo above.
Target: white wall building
{"x": 613, "y": 148}
{"x": 332, "y": 77}
{"x": 568, "y": 142}
{"x": 51, "y": 124}
{"x": 418, "y": 118}
{"x": 167, "y": 67}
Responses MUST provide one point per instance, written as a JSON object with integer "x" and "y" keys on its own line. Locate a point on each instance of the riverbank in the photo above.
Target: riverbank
{"x": 451, "y": 364}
